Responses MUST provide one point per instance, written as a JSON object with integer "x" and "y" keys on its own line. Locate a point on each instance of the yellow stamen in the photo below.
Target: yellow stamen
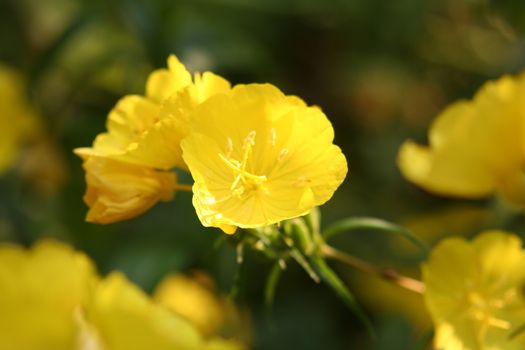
{"x": 243, "y": 178}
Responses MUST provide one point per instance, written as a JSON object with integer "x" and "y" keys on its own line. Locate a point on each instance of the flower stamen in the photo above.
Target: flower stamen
{"x": 244, "y": 180}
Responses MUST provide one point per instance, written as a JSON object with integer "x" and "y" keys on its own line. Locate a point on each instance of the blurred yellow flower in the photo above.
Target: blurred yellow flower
{"x": 194, "y": 298}
{"x": 259, "y": 157}
{"x": 51, "y": 298}
{"x": 40, "y": 291}
{"x": 118, "y": 191}
{"x": 474, "y": 292}
{"x": 144, "y": 134}
{"x": 18, "y": 122}
{"x": 476, "y": 147}
{"x": 123, "y": 318}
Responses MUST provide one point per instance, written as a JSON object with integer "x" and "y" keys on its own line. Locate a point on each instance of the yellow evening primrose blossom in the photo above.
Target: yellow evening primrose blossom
{"x": 40, "y": 292}
{"x": 259, "y": 157}
{"x": 122, "y": 317}
{"x": 18, "y": 122}
{"x": 474, "y": 292}
{"x": 118, "y": 191}
{"x": 476, "y": 147}
{"x": 144, "y": 134}
{"x": 146, "y": 130}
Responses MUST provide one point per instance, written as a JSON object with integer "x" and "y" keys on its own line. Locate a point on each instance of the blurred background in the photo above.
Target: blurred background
{"x": 381, "y": 71}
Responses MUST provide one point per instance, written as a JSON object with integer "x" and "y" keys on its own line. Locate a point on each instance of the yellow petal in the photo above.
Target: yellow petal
{"x": 40, "y": 289}
{"x": 131, "y": 117}
{"x": 162, "y": 83}
{"x": 118, "y": 191}
{"x": 210, "y": 84}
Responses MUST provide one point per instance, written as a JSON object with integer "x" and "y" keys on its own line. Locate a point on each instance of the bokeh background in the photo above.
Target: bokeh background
{"x": 381, "y": 71}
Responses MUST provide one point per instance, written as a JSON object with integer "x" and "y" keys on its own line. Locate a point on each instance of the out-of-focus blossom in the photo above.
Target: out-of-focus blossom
{"x": 192, "y": 300}
{"x": 24, "y": 142}
{"x": 259, "y": 157}
{"x": 124, "y": 318}
{"x": 18, "y": 121}
{"x": 476, "y": 147}
{"x": 52, "y": 298}
{"x": 41, "y": 289}
{"x": 194, "y": 297}
{"x": 474, "y": 292}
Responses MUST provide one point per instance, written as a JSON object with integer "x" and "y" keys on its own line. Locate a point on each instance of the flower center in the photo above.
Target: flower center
{"x": 484, "y": 309}
{"x": 244, "y": 181}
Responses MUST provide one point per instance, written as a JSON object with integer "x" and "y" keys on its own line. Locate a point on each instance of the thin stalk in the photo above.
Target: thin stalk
{"x": 182, "y": 187}
{"x": 388, "y": 274}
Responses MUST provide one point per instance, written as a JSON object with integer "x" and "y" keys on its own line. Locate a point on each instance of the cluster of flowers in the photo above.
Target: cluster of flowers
{"x": 256, "y": 155}
{"x": 474, "y": 291}
{"x": 52, "y": 298}
{"x": 259, "y": 157}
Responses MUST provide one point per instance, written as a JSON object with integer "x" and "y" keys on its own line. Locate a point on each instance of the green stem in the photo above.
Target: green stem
{"x": 388, "y": 274}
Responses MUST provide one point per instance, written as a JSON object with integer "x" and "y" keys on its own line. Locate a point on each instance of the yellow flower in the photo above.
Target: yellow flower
{"x": 144, "y": 134}
{"x": 118, "y": 191}
{"x": 476, "y": 147}
{"x": 192, "y": 300}
{"x": 259, "y": 157}
{"x": 122, "y": 317}
{"x": 51, "y": 298}
{"x": 40, "y": 291}
{"x": 146, "y": 130}
{"x": 474, "y": 292}
{"x": 18, "y": 122}
{"x": 125, "y": 318}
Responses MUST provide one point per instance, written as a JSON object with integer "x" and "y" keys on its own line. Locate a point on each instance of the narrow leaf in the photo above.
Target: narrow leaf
{"x": 271, "y": 284}
{"x": 301, "y": 260}
{"x": 331, "y": 278}
{"x": 367, "y": 223}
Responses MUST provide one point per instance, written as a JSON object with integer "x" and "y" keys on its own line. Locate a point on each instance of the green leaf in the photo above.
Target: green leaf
{"x": 367, "y": 223}
{"x": 330, "y": 277}
{"x": 301, "y": 260}
{"x": 271, "y": 284}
